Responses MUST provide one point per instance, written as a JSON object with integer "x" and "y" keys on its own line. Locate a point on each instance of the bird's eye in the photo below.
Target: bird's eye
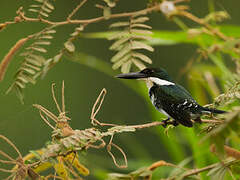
{"x": 147, "y": 71}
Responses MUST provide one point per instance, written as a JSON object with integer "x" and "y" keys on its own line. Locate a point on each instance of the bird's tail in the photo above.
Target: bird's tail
{"x": 213, "y": 111}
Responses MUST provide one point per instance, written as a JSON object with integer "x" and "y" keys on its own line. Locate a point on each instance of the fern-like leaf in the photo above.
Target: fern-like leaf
{"x": 33, "y": 61}
{"x": 68, "y": 45}
{"x": 128, "y": 42}
{"x": 43, "y": 8}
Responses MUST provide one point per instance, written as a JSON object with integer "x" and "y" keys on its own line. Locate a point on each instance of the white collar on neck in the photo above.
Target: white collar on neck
{"x": 161, "y": 82}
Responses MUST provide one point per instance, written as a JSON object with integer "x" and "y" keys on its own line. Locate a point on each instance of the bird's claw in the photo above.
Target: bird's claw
{"x": 168, "y": 122}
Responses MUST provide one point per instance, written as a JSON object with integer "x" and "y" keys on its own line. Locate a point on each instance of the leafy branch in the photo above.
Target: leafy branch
{"x": 128, "y": 41}
{"x": 132, "y": 39}
{"x": 66, "y": 141}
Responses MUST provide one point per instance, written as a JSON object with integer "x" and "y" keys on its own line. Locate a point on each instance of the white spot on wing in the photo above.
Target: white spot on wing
{"x": 185, "y": 102}
{"x": 161, "y": 82}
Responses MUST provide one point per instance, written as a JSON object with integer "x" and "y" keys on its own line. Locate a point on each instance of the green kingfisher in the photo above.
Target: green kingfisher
{"x": 170, "y": 98}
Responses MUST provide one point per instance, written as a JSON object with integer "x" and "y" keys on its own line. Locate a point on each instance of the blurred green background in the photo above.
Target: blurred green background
{"x": 23, "y": 125}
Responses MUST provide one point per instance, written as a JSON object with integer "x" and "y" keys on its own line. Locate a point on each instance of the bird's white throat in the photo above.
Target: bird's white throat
{"x": 160, "y": 82}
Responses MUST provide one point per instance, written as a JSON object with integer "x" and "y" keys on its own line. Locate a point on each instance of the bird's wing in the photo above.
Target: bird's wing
{"x": 184, "y": 90}
{"x": 177, "y": 102}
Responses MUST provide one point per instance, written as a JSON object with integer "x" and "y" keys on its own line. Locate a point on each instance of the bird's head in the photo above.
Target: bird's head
{"x": 152, "y": 76}
{"x": 155, "y": 75}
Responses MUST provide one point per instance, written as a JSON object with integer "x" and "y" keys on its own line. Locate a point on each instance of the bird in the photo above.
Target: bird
{"x": 170, "y": 98}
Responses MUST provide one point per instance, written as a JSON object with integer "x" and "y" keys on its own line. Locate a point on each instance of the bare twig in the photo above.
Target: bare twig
{"x": 54, "y": 98}
{"x": 202, "y": 22}
{"x": 11, "y": 144}
{"x": 6, "y": 170}
{"x": 47, "y": 112}
{"x": 109, "y": 147}
{"x": 96, "y": 107}
{"x": 157, "y": 164}
{"x": 46, "y": 121}
{"x": 53, "y": 176}
{"x": 88, "y": 21}
{"x": 212, "y": 121}
{"x": 231, "y": 152}
{"x": 61, "y": 120}
{"x": 63, "y": 98}
{"x": 76, "y": 9}
{"x": 21, "y": 170}
{"x": 197, "y": 171}
{"x": 6, "y": 156}
{"x": 141, "y": 126}
{"x": 7, "y": 59}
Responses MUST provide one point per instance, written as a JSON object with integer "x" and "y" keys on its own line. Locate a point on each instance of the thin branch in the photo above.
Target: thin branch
{"x": 88, "y": 21}
{"x": 99, "y": 98}
{"x": 53, "y": 176}
{"x": 147, "y": 125}
{"x": 11, "y": 144}
{"x": 202, "y": 22}
{"x": 54, "y": 98}
{"x": 109, "y": 146}
{"x": 197, "y": 171}
{"x": 76, "y": 9}
{"x": 212, "y": 121}
{"x": 6, "y": 155}
{"x": 9, "y": 177}
{"x": 96, "y": 107}
{"x": 6, "y": 170}
{"x": 63, "y": 98}
{"x": 8, "y": 57}
{"x": 7, "y": 162}
{"x": 157, "y": 164}
{"x": 231, "y": 152}
{"x": 46, "y": 121}
{"x": 47, "y": 112}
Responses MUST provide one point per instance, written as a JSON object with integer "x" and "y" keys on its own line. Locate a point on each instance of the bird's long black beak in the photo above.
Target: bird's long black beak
{"x": 133, "y": 75}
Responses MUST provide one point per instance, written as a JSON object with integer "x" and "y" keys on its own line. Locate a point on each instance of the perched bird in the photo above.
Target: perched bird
{"x": 169, "y": 98}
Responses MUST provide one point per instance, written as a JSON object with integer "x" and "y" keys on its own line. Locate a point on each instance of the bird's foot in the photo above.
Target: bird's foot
{"x": 168, "y": 122}
{"x": 198, "y": 120}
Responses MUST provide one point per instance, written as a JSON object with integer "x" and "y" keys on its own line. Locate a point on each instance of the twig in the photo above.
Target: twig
{"x": 11, "y": 144}
{"x": 63, "y": 98}
{"x": 7, "y": 59}
{"x": 109, "y": 146}
{"x": 96, "y": 109}
{"x": 54, "y": 98}
{"x": 212, "y": 121}
{"x": 46, "y": 121}
{"x": 52, "y": 176}
{"x": 6, "y": 156}
{"x": 202, "y": 22}
{"x": 163, "y": 163}
{"x": 76, "y": 9}
{"x": 141, "y": 126}
{"x": 88, "y": 21}
{"x": 6, "y": 170}
{"x": 228, "y": 150}
{"x": 46, "y": 111}
{"x": 197, "y": 171}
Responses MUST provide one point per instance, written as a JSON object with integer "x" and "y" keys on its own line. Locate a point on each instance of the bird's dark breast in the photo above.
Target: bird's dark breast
{"x": 175, "y": 103}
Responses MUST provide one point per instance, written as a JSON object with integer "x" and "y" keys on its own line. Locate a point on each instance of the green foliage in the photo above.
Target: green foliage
{"x": 210, "y": 78}
{"x": 128, "y": 41}
{"x": 32, "y": 62}
{"x": 42, "y": 7}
